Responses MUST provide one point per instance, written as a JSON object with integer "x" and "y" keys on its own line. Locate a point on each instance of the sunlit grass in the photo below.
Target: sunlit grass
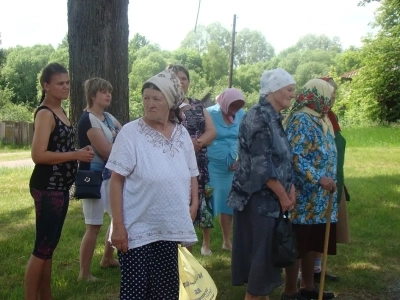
{"x": 15, "y": 155}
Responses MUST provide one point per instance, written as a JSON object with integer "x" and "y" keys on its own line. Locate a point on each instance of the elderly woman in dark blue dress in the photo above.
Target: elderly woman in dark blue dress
{"x": 262, "y": 185}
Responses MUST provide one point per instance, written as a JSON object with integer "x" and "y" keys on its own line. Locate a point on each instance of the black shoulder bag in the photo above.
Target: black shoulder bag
{"x": 284, "y": 244}
{"x": 88, "y": 184}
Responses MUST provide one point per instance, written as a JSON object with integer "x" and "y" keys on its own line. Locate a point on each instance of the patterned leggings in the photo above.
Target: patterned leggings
{"x": 51, "y": 208}
{"x": 150, "y": 272}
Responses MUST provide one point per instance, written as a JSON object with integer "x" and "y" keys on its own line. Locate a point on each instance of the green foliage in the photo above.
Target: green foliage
{"x": 310, "y": 70}
{"x": 21, "y": 68}
{"x": 247, "y": 77}
{"x": 135, "y": 104}
{"x": 319, "y": 42}
{"x": 349, "y": 60}
{"x": 251, "y": 47}
{"x": 190, "y": 58}
{"x": 16, "y": 112}
{"x": 204, "y": 35}
{"x": 375, "y": 94}
{"x": 143, "y": 69}
{"x": 6, "y": 96}
{"x": 198, "y": 86}
{"x": 215, "y": 63}
{"x": 135, "y": 44}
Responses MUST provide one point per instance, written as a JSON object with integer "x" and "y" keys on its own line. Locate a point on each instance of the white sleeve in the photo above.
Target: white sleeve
{"x": 190, "y": 155}
{"x": 122, "y": 159}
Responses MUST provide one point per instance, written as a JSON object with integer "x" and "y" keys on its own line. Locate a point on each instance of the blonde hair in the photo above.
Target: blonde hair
{"x": 92, "y": 86}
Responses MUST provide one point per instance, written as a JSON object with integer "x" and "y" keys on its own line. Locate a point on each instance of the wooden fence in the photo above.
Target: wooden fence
{"x": 19, "y": 133}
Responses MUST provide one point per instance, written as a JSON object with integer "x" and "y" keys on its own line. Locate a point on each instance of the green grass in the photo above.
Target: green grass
{"x": 14, "y": 155}
{"x": 10, "y": 152}
{"x": 6, "y": 147}
{"x": 372, "y": 137}
{"x": 368, "y": 267}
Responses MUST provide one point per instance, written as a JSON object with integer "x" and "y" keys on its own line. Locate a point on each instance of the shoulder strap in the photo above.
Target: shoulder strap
{"x": 40, "y": 108}
{"x": 108, "y": 120}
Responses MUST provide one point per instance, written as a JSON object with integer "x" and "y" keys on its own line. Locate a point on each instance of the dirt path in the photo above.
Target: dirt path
{"x": 17, "y": 163}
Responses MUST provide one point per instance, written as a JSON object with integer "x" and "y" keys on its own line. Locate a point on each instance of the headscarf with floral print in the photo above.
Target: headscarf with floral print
{"x": 314, "y": 99}
{"x": 316, "y": 95}
{"x": 170, "y": 86}
{"x": 331, "y": 114}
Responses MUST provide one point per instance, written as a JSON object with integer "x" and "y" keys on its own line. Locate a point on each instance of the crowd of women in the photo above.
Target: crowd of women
{"x": 155, "y": 171}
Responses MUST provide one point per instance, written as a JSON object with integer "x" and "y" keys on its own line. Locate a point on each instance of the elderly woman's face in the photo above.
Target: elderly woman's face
{"x": 284, "y": 96}
{"x": 234, "y": 107}
{"x": 155, "y": 105}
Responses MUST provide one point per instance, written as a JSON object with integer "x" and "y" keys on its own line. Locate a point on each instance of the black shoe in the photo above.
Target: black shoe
{"x": 314, "y": 294}
{"x": 296, "y": 296}
{"x": 328, "y": 277}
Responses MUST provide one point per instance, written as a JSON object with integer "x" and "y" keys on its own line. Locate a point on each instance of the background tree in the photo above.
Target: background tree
{"x": 22, "y": 64}
{"x": 204, "y": 35}
{"x": 319, "y": 42}
{"x": 138, "y": 42}
{"x": 98, "y": 46}
{"x": 251, "y": 47}
{"x": 351, "y": 59}
{"x": 376, "y": 92}
{"x": 215, "y": 63}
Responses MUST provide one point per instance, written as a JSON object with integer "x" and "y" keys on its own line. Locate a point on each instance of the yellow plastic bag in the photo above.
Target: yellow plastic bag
{"x": 194, "y": 281}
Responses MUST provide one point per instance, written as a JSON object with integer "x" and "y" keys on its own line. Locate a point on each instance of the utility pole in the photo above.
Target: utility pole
{"x": 232, "y": 52}
{"x": 197, "y": 18}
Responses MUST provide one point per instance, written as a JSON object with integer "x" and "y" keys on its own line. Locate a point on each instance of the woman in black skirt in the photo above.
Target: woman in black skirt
{"x": 262, "y": 185}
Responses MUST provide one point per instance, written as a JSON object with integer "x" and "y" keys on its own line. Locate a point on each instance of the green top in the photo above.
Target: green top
{"x": 341, "y": 147}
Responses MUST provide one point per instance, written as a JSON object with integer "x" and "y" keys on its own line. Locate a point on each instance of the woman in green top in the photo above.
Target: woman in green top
{"x": 342, "y": 226}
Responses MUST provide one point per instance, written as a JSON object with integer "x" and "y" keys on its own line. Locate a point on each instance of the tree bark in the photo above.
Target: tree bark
{"x": 98, "y": 34}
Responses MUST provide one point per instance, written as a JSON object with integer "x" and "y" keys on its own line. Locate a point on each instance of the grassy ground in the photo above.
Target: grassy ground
{"x": 369, "y": 266}
{"x": 13, "y": 152}
{"x": 14, "y": 155}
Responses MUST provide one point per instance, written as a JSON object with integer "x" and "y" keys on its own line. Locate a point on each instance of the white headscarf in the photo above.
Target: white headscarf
{"x": 273, "y": 80}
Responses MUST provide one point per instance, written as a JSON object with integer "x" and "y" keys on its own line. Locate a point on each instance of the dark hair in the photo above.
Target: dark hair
{"x": 47, "y": 73}
{"x": 149, "y": 85}
{"x": 173, "y": 112}
{"x": 179, "y": 68}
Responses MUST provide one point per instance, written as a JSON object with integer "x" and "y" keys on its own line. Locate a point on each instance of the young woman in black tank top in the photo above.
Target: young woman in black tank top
{"x": 55, "y": 158}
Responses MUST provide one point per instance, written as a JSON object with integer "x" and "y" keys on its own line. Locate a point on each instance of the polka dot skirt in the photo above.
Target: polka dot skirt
{"x": 150, "y": 272}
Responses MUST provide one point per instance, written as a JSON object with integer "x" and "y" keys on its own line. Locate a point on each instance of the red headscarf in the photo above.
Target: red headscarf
{"x": 331, "y": 115}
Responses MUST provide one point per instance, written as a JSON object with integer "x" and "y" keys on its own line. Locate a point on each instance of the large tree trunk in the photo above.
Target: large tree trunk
{"x": 98, "y": 47}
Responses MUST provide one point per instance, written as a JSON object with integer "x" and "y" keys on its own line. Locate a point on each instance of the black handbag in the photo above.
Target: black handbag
{"x": 284, "y": 244}
{"x": 88, "y": 184}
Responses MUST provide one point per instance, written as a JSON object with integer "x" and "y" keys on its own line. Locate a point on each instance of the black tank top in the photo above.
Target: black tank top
{"x": 61, "y": 176}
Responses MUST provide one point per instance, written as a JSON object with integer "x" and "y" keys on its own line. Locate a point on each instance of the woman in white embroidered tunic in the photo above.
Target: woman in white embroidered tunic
{"x": 153, "y": 192}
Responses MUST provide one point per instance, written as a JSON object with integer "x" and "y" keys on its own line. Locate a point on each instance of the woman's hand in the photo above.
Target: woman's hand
{"x": 119, "y": 237}
{"x": 292, "y": 196}
{"x": 286, "y": 203}
{"x": 328, "y": 184}
{"x": 197, "y": 144}
{"x": 234, "y": 166}
{"x": 85, "y": 154}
